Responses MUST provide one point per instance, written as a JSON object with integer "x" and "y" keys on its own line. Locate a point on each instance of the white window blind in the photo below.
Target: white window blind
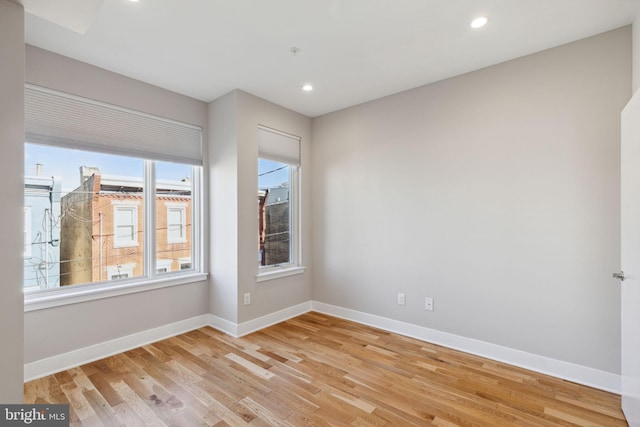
{"x": 278, "y": 146}
{"x": 61, "y": 119}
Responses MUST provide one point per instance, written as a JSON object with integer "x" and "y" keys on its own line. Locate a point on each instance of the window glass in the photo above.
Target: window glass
{"x": 85, "y": 217}
{"x": 274, "y": 213}
{"x": 174, "y": 188}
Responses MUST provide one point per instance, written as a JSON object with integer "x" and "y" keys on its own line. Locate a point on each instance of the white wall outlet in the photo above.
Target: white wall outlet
{"x": 247, "y": 298}
{"x": 400, "y": 298}
{"x": 428, "y": 303}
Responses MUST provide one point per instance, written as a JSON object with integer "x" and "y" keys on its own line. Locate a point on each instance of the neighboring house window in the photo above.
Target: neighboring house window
{"x": 125, "y": 226}
{"x": 176, "y": 224}
{"x": 120, "y": 271}
{"x": 278, "y": 196}
{"x": 163, "y": 265}
{"x": 117, "y": 172}
{"x": 185, "y": 264}
{"x": 27, "y": 231}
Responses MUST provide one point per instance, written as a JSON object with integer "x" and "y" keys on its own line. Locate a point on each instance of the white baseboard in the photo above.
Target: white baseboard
{"x": 245, "y": 328}
{"x": 223, "y": 325}
{"x": 557, "y": 368}
{"x": 61, "y": 362}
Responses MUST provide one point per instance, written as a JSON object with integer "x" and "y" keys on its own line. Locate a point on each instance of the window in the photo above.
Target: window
{"x": 163, "y": 265}
{"x": 176, "y": 225}
{"x": 120, "y": 271}
{"x": 274, "y": 185}
{"x": 121, "y": 197}
{"x": 278, "y": 195}
{"x": 125, "y": 226}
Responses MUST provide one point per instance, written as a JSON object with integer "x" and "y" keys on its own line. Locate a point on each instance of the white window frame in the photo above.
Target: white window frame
{"x": 294, "y": 266}
{"x": 118, "y": 130}
{"x": 125, "y": 206}
{"x": 182, "y": 208}
{"x": 150, "y": 279}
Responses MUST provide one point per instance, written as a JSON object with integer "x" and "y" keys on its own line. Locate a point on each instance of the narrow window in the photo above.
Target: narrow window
{"x": 278, "y": 195}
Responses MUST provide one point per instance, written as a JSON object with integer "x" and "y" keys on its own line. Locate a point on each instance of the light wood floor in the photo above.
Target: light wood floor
{"x": 315, "y": 370}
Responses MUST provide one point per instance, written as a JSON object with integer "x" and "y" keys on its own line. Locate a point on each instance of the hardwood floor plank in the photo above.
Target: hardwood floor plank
{"x": 315, "y": 370}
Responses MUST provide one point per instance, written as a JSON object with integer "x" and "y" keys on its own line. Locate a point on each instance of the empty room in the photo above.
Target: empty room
{"x": 304, "y": 212}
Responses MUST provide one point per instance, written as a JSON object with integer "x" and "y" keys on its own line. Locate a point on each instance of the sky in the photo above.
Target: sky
{"x": 64, "y": 163}
{"x": 271, "y": 174}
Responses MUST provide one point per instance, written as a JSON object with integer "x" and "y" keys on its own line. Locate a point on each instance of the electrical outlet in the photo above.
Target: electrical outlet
{"x": 428, "y": 303}
{"x": 247, "y": 298}
{"x": 400, "y": 298}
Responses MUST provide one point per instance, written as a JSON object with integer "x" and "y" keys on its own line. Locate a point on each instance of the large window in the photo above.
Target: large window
{"x": 278, "y": 201}
{"x": 105, "y": 202}
{"x": 101, "y": 220}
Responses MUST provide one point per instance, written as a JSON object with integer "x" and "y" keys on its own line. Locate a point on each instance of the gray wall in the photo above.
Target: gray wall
{"x": 58, "y": 330}
{"x": 223, "y": 176}
{"x": 497, "y": 193}
{"x": 235, "y": 152}
{"x": 636, "y": 54}
{"x": 11, "y": 160}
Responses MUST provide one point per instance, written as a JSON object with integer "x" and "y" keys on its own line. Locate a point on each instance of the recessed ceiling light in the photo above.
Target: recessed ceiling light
{"x": 307, "y": 88}
{"x": 480, "y": 21}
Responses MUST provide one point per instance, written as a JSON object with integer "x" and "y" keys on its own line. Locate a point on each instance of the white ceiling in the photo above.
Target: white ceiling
{"x": 352, "y": 51}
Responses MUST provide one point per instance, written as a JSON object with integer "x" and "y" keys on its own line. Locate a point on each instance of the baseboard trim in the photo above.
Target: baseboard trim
{"x": 71, "y": 359}
{"x": 237, "y": 330}
{"x": 223, "y": 325}
{"x": 569, "y": 371}
{"x": 557, "y": 368}
{"x": 250, "y": 326}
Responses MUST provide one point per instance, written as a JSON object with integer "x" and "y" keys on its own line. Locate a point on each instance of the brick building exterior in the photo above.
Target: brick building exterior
{"x": 102, "y": 229}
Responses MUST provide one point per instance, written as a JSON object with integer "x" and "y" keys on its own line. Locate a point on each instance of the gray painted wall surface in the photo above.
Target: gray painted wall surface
{"x": 278, "y": 294}
{"x": 58, "y": 330}
{"x": 497, "y": 193}
{"x": 62, "y": 329}
{"x": 11, "y": 160}
{"x": 636, "y": 54}
{"x": 234, "y": 213}
{"x": 223, "y": 176}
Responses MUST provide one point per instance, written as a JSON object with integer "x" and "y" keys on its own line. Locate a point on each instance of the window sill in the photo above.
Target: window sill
{"x": 59, "y": 297}
{"x": 279, "y": 273}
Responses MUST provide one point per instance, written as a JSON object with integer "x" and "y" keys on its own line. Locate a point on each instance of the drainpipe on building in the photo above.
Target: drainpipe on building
{"x": 100, "y": 215}
{"x": 47, "y": 214}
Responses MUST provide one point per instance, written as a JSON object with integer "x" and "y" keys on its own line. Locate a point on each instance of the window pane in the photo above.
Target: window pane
{"x": 274, "y": 219}
{"x": 174, "y": 188}
{"x": 85, "y": 217}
